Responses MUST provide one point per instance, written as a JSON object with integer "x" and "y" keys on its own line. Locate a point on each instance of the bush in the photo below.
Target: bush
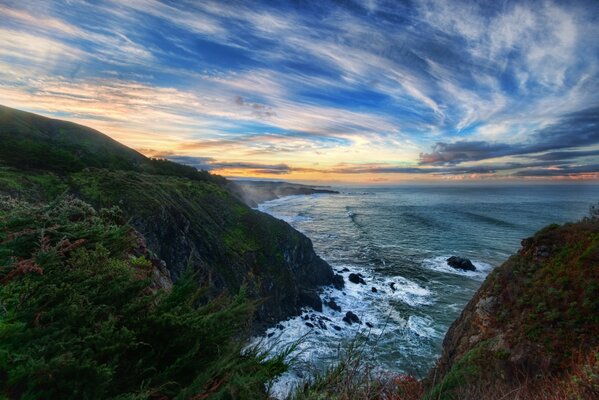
{"x": 79, "y": 318}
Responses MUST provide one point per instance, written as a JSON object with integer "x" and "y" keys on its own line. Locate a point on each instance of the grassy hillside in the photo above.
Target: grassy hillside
{"x": 186, "y": 216}
{"x": 86, "y": 312}
{"x": 32, "y": 142}
{"x": 533, "y": 327}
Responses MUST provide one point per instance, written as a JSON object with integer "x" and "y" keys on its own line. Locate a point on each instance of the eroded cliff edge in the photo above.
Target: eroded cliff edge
{"x": 187, "y": 217}
{"x": 532, "y": 329}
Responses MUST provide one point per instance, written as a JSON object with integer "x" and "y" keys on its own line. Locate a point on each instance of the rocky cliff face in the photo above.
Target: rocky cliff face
{"x": 530, "y": 319}
{"x": 203, "y": 226}
{"x": 187, "y": 217}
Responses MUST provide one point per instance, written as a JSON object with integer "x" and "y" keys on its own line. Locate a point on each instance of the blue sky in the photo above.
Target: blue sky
{"x": 344, "y": 91}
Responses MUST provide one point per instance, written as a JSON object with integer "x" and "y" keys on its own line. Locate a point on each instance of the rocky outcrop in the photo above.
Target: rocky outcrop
{"x": 351, "y": 318}
{"x": 461, "y": 263}
{"x": 356, "y": 278}
{"x": 230, "y": 246}
{"x": 528, "y": 318}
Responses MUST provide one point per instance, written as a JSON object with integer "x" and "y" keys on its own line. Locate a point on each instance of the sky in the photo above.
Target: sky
{"x": 327, "y": 91}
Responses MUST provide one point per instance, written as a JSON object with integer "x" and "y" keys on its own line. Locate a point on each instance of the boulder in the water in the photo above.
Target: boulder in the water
{"x": 461, "y": 263}
{"x": 338, "y": 282}
{"x": 368, "y": 324}
{"x": 311, "y": 299}
{"x": 374, "y": 290}
{"x": 333, "y": 304}
{"x": 351, "y": 318}
{"x": 310, "y": 325}
{"x": 337, "y": 328}
{"x": 355, "y": 278}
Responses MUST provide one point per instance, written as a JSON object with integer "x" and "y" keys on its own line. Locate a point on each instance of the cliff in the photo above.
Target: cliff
{"x": 186, "y": 217}
{"x": 532, "y": 329}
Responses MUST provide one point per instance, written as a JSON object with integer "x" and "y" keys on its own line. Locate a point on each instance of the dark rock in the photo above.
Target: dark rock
{"x": 374, "y": 290}
{"x": 280, "y": 327}
{"x": 271, "y": 334}
{"x": 461, "y": 263}
{"x": 351, "y": 318}
{"x": 392, "y": 284}
{"x": 345, "y": 269}
{"x": 368, "y": 324}
{"x": 332, "y": 304}
{"x": 354, "y": 278}
{"x": 338, "y": 282}
{"x": 337, "y": 328}
{"x": 311, "y": 299}
{"x": 309, "y": 324}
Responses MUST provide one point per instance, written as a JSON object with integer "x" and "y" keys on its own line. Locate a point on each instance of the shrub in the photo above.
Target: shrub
{"x": 79, "y": 320}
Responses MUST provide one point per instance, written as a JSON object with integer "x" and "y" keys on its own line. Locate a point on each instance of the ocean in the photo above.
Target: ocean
{"x": 399, "y": 239}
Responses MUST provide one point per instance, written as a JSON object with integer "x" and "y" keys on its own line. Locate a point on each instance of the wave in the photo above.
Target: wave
{"x": 489, "y": 220}
{"x": 319, "y": 333}
{"x": 439, "y": 264}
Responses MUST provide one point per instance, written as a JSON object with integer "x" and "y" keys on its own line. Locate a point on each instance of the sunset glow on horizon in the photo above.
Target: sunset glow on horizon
{"x": 365, "y": 92}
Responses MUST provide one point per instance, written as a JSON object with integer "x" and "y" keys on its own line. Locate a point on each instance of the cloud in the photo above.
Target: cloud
{"x": 210, "y": 164}
{"x": 561, "y": 171}
{"x": 422, "y": 87}
{"x": 576, "y": 129}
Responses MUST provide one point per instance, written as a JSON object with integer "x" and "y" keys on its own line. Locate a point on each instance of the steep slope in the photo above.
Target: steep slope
{"x": 186, "y": 216}
{"x": 532, "y": 329}
{"x": 87, "y": 312}
{"x": 33, "y": 141}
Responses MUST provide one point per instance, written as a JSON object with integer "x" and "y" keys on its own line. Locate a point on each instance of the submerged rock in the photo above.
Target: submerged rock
{"x": 333, "y": 304}
{"x": 351, "y": 318}
{"x": 461, "y": 263}
{"x": 338, "y": 282}
{"x": 374, "y": 290}
{"x": 368, "y": 324}
{"x": 311, "y": 299}
{"x": 337, "y": 328}
{"x": 355, "y": 278}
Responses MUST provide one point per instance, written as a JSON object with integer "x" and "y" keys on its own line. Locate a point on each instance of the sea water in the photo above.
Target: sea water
{"x": 398, "y": 239}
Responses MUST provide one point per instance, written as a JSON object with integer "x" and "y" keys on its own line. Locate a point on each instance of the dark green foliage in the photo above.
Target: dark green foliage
{"x": 32, "y": 142}
{"x": 80, "y": 318}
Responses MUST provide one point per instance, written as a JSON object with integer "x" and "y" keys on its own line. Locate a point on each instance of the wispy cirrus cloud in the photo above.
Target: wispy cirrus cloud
{"x": 417, "y": 86}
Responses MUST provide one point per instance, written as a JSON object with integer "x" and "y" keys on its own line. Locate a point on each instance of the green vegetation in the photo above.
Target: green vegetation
{"x": 33, "y": 143}
{"x": 81, "y": 318}
{"x": 550, "y": 289}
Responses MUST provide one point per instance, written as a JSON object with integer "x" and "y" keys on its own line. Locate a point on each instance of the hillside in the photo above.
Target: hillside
{"x": 88, "y": 312}
{"x": 186, "y": 216}
{"x": 532, "y": 329}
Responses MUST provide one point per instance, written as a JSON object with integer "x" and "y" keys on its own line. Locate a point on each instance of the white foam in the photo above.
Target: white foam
{"x": 318, "y": 346}
{"x": 440, "y": 264}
